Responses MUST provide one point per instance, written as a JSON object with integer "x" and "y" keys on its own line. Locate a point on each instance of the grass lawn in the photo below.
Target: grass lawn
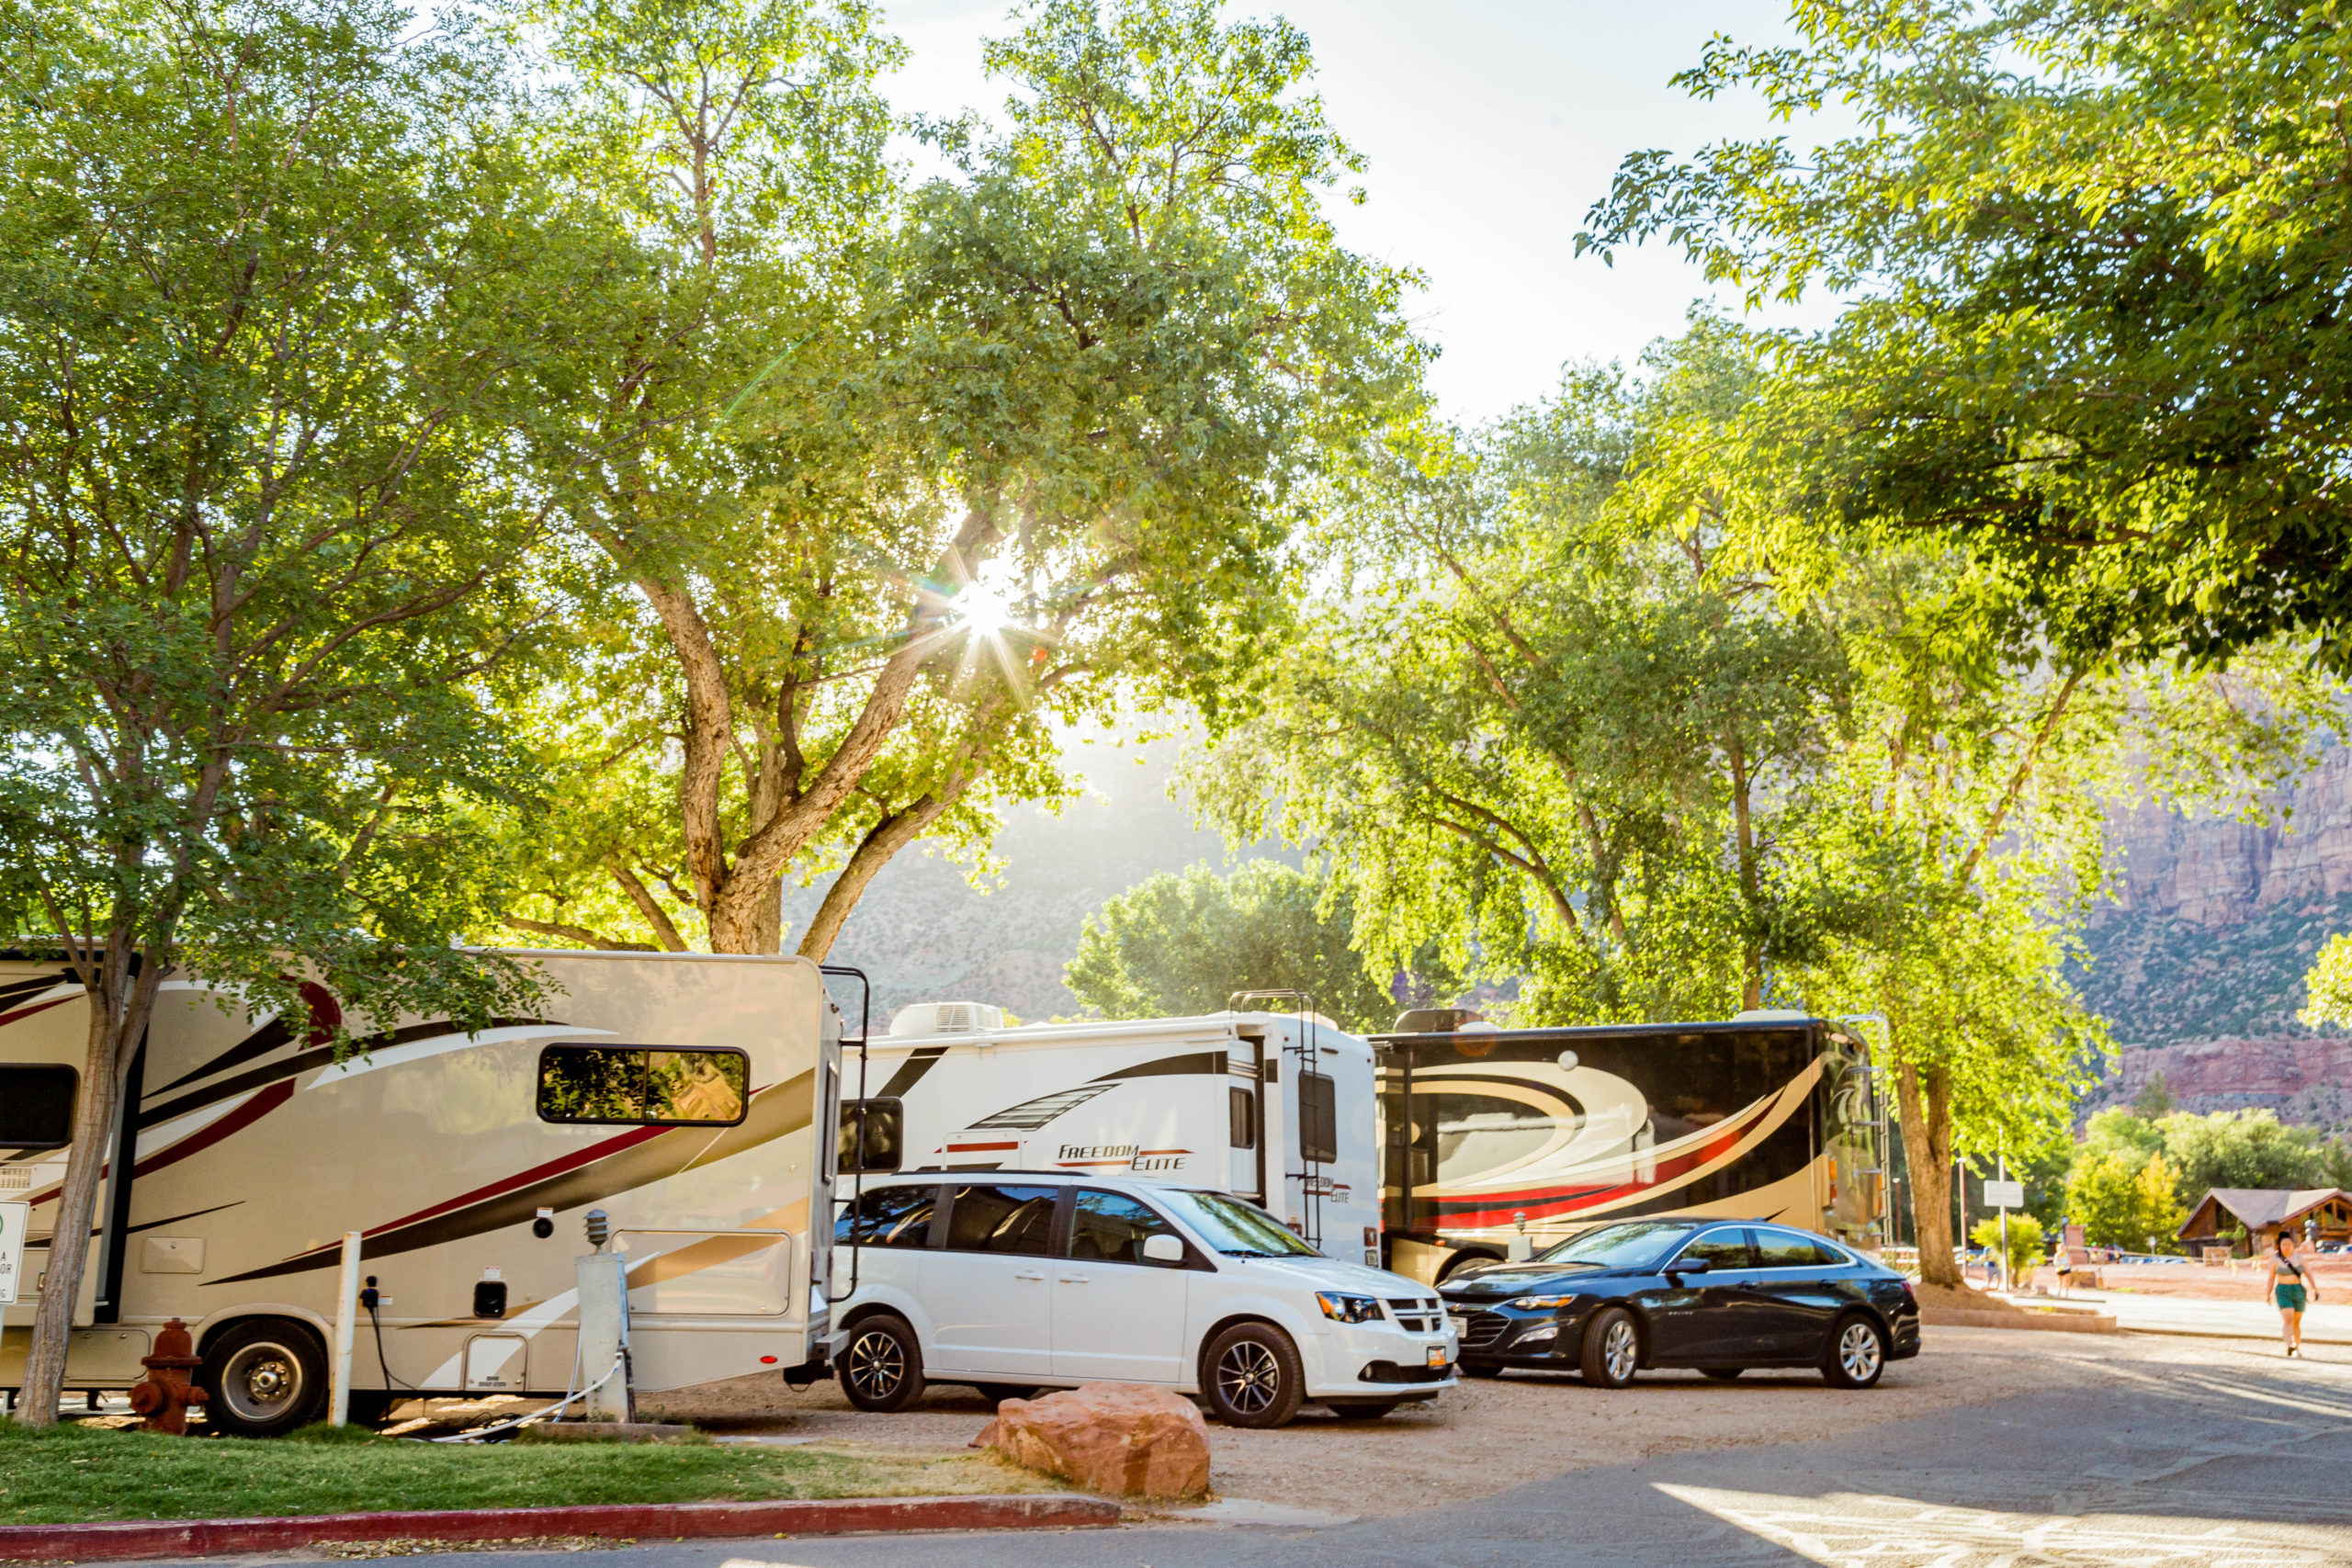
{"x": 68, "y": 1473}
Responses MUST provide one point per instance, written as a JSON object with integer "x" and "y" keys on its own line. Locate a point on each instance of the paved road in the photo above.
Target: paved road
{"x": 2327, "y": 1322}
{"x": 2237, "y": 1465}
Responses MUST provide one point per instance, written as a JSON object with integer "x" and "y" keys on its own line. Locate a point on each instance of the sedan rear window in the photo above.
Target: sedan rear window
{"x": 1783, "y": 1249}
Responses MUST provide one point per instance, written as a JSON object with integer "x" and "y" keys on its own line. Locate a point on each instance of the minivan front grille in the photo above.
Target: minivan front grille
{"x": 1416, "y": 1315}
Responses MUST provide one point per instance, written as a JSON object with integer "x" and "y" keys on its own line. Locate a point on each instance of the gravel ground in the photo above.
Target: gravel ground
{"x": 1487, "y": 1437}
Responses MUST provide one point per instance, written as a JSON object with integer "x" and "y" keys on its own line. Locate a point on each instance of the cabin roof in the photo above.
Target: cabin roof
{"x": 2264, "y": 1208}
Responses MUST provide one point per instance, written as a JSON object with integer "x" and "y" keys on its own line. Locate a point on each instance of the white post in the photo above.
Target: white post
{"x": 346, "y": 1308}
{"x": 2001, "y": 1164}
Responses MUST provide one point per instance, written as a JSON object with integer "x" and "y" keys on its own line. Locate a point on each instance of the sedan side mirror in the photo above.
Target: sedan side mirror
{"x": 1687, "y": 1266}
{"x": 1163, "y": 1249}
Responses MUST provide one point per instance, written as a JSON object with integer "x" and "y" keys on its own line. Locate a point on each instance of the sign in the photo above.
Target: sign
{"x": 15, "y": 1220}
{"x": 2005, "y": 1194}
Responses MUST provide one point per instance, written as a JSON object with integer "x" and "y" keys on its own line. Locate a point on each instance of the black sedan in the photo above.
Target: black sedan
{"x": 1720, "y": 1297}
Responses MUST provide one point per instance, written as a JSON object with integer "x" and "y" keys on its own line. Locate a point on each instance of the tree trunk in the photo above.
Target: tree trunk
{"x": 884, "y": 838}
{"x": 1924, "y": 1101}
{"x": 1751, "y": 982}
{"x": 106, "y": 1063}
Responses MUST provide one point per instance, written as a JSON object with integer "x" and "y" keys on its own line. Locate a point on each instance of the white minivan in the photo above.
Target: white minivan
{"x": 1015, "y": 1281}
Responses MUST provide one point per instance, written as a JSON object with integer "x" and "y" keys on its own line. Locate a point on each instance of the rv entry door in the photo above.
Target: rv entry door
{"x": 1245, "y": 1132}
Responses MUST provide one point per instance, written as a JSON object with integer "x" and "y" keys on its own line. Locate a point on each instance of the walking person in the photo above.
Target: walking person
{"x": 2288, "y": 1286}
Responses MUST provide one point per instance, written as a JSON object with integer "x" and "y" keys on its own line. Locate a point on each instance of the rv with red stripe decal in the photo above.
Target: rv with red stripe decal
{"x": 1276, "y": 1108}
{"x": 679, "y": 1093}
{"x": 1499, "y": 1142}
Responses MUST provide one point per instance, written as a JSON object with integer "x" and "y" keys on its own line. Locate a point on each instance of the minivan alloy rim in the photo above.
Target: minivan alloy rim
{"x": 1247, "y": 1377}
{"x": 1619, "y": 1349}
{"x": 1858, "y": 1350}
{"x": 876, "y": 1364}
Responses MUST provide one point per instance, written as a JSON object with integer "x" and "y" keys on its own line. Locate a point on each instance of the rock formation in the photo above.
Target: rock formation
{"x": 1123, "y": 1439}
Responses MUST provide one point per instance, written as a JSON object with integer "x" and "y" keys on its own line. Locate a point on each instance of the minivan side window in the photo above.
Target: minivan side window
{"x": 889, "y": 1216}
{"x": 37, "y": 1106}
{"x": 1318, "y": 1117}
{"x": 986, "y": 1217}
{"x": 643, "y": 1086}
{"x": 1110, "y": 1227}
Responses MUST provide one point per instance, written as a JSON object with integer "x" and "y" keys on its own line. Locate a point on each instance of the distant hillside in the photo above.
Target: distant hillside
{"x": 923, "y": 934}
{"x": 2199, "y": 967}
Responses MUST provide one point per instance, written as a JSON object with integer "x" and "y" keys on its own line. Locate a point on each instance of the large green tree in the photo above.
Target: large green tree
{"x": 2094, "y": 255}
{"x": 269, "y": 274}
{"x": 917, "y": 478}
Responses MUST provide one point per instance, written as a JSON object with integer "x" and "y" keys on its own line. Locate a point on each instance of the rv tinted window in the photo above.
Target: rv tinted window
{"x": 642, "y": 1086}
{"x": 37, "y": 1107}
{"x": 885, "y": 1124}
{"x": 890, "y": 1216}
{"x": 1110, "y": 1227}
{"x": 1319, "y": 1119}
{"x": 1000, "y": 1219}
{"x": 1244, "y": 1108}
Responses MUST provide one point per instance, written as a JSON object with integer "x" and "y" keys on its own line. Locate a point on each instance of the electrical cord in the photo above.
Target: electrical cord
{"x": 368, "y": 1298}
{"x": 482, "y": 1434}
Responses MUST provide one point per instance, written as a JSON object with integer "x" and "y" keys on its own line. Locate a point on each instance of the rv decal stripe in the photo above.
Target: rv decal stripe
{"x": 303, "y": 1061}
{"x": 637, "y": 1158}
{"x": 203, "y": 1138}
{"x": 1170, "y": 1066}
{"x": 911, "y": 1072}
{"x": 260, "y": 1043}
{"x": 37, "y": 1007}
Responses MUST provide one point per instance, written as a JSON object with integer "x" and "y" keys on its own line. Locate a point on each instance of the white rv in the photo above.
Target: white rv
{"x": 1274, "y": 1108}
{"x": 679, "y": 1093}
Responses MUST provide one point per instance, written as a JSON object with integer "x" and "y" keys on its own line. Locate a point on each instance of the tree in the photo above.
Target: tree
{"x": 1182, "y": 943}
{"x": 2092, "y": 251}
{"x": 906, "y": 482}
{"x": 2331, "y": 984}
{"x": 266, "y": 272}
{"x": 2024, "y": 1243}
{"x": 2125, "y": 1201}
{"x": 2240, "y": 1148}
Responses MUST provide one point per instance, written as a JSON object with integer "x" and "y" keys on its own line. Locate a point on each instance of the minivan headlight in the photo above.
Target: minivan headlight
{"x": 1542, "y": 1303}
{"x": 1348, "y": 1309}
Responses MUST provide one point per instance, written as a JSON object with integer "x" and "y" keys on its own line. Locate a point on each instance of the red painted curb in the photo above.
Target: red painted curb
{"x": 117, "y": 1539}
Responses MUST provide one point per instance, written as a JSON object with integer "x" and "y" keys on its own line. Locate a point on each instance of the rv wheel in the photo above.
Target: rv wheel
{"x": 881, "y": 1366}
{"x": 263, "y": 1378}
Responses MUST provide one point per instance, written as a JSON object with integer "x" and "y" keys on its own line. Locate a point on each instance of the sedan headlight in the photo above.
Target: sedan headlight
{"x": 1542, "y": 1303}
{"x": 1348, "y": 1309}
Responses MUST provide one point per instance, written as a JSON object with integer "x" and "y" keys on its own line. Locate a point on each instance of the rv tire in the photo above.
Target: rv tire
{"x": 263, "y": 1377}
{"x": 880, "y": 1364}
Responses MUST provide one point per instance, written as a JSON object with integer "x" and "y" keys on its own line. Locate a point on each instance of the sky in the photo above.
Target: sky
{"x": 1491, "y": 126}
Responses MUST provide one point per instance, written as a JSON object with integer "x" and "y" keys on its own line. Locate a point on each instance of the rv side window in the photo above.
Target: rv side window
{"x": 885, "y": 1136}
{"x": 1244, "y": 1109}
{"x": 643, "y": 1086}
{"x": 1318, "y": 1117}
{"x": 37, "y": 1106}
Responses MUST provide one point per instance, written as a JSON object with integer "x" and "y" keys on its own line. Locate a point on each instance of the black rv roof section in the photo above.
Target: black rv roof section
{"x": 1570, "y": 1033}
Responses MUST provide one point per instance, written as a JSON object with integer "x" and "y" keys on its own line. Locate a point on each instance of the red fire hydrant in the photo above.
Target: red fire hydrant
{"x": 167, "y": 1394}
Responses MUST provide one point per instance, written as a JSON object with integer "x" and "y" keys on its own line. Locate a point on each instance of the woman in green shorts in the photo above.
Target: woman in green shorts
{"x": 2291, "y": 1288}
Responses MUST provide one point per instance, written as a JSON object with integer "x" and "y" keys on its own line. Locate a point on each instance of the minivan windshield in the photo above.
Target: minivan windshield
{"x": 1634, "y": 1244}
{"x": 1232, "y": 1228}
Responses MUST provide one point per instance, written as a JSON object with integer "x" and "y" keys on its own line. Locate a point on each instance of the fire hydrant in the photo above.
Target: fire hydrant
{"x": 167, "y": 1394}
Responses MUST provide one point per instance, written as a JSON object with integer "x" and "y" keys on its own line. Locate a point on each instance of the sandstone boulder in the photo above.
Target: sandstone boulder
{"x": 1122, "y": 1438}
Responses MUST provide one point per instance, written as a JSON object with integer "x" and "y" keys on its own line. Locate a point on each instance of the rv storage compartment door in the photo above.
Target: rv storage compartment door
{"x": 719, "y": 1272}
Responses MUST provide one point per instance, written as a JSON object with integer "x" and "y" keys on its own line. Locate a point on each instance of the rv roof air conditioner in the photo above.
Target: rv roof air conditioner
{"x": 948, "y": 1018}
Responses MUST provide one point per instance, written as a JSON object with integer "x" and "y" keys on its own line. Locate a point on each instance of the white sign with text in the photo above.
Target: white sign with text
{"x": 2005, "y": 1194}
{"x": 15, "y": 1220}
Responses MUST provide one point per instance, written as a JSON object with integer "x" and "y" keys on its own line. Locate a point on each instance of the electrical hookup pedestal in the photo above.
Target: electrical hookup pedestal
{"x": 603, "y": 1330}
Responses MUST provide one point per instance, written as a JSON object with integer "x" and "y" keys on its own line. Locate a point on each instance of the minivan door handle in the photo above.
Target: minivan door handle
{"x": 1072, "y": 1278}
{"x": 1027, "y": 1274}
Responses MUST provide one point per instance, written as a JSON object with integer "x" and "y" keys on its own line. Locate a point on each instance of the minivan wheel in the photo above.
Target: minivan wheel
{"x": 881, "y": 1366}
{"x": 1612, "y": 1349}
{"x": 1250, "y": 1376}
{"x": 1856, "y": 1353}
{"x": 263, "y": 1378}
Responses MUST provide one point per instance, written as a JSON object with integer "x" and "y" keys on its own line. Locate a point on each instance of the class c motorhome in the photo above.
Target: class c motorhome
{"x": 1278, "y": 1109}
{"x": 679, "y": 1093}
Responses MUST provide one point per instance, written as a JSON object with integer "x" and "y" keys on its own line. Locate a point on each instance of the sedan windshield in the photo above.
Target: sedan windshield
{"x": 1233, "y": 1228}
{"x": 1636, "y": 1244}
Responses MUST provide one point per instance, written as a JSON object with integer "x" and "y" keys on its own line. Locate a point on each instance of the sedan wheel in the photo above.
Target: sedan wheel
{"x": 881, "y": 1367}
{"x": 1857, "y": 1354}
{"x": 1612, "y": 1349}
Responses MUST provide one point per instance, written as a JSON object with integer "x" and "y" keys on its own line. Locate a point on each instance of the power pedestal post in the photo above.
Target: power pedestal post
{"x": 604, "y": 1327}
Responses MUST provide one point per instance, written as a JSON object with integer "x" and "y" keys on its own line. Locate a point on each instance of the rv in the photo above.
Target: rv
{"x": 681, "y": 1094}
{"x": 1500, "y": 1141}
{"x": 1277, "y": 1109}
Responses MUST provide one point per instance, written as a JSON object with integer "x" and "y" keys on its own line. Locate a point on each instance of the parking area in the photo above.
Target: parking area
{"x": 1490, "y": 1437}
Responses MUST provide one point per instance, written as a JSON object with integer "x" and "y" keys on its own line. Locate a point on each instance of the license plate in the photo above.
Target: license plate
{"x": 1461, "y": 1323}
{"x": 1437, "y": 1356}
